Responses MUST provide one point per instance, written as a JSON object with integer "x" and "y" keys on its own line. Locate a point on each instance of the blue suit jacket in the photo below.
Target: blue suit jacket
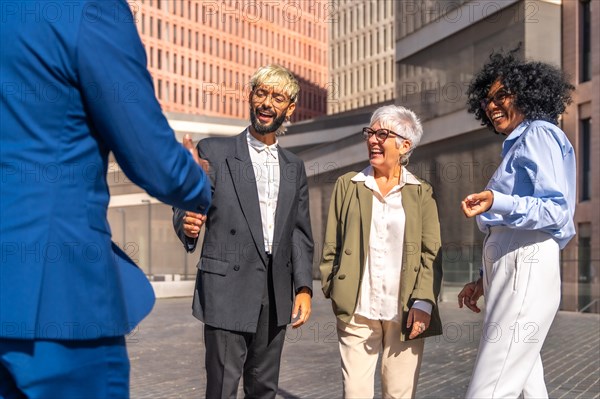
{"x": 74, "y": 87}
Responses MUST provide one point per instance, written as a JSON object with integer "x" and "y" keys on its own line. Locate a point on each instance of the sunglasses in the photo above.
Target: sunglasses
{"x": 381, "y": 134}
{"x": 498, "y": 99}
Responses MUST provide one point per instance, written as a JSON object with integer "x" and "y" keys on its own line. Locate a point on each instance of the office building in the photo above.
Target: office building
{"x": 581, "y": 61}
{"x": 361, "y": 51}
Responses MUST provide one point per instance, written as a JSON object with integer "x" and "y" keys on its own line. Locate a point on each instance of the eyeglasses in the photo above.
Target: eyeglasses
{"x": 498, "y": 99}
{"x": 380, "y": 134}
{"x": 277, "y": 99}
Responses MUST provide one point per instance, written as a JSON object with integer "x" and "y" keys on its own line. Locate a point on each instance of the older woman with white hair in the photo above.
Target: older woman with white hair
{"x": 381, "y": 263}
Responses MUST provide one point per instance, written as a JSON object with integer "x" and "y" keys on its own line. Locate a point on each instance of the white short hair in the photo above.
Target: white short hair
{"x": 401, "y": 121}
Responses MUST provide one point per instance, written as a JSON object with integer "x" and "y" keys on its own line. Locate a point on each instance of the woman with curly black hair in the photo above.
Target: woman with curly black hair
{"x": 526, "y": 212}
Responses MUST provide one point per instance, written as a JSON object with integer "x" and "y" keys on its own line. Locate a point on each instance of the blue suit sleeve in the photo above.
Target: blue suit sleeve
{"x": 123, "y": 111}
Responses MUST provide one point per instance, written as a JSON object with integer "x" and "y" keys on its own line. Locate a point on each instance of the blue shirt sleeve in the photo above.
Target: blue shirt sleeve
{"x": 536, "y": 187}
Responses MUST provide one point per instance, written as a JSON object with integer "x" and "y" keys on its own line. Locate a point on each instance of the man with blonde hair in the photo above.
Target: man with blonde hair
{"x": 254, "y": 273}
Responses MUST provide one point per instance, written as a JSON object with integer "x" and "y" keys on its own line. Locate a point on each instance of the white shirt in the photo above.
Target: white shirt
{"x": 265, "y": 162}
{"x": 379, "y": 297}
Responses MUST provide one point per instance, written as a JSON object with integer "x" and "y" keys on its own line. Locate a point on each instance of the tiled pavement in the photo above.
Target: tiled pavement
{"x": 167, "y": 355}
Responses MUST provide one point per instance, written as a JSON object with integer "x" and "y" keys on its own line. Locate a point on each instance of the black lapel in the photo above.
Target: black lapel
{"x": 289, "y": 175}
{"x": 244, "y": 182}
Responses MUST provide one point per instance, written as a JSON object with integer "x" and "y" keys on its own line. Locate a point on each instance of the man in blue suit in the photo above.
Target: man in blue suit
{"x": 74, "y": 86}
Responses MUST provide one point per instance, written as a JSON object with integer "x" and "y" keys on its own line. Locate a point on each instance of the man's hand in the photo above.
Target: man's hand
{"x": 189, "y": 145}
{"x": 192, "y": 223}
{"x": 419, "y": 320}
{"x": 302, "y": 307}
{"x": 470, "y": 294}
{"x": 477, "y": 203}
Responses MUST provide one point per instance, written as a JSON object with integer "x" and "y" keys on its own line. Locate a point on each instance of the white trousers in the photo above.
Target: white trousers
{"x": 521, "y": 284}
{"x": 360, "y": 343}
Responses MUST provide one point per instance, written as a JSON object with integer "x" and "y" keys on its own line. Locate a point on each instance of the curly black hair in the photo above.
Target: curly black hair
{"x": 542, "y": 91}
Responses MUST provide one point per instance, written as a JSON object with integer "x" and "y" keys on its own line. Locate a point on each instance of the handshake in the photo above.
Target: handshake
{"x": 192, "y": 222}
{"x": 189, "y": 145}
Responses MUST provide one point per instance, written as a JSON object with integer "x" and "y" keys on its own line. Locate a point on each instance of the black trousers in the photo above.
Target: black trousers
{"x": 256, "y": 356}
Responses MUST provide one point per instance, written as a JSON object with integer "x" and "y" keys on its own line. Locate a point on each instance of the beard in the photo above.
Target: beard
{"x": 266, "y": 129}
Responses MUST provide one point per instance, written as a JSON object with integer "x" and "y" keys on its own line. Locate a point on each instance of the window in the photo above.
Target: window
{"x": 586, "y": 41}
{"x": 585, "y": 176}
{"x": 584, "y": 266}
{"x": 159, "y": 28}
{"x": 159, "y": 58}
{"x": 385, "y": 38}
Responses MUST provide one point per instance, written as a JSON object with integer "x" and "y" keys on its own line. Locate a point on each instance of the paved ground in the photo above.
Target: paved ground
{"x": 167, "y": 355}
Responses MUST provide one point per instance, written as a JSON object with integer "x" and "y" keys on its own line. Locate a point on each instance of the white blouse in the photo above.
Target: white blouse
{"x": 379, "y": 297}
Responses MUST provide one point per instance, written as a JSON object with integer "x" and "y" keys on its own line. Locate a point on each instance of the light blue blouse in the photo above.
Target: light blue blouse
{"x": 534, "y": 186}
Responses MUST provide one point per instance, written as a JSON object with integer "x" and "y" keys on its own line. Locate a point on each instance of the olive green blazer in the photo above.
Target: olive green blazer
{"x": 347, "y": 243}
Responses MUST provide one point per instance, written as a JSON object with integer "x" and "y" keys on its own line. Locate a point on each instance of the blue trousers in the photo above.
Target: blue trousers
{"x": 64, "y": 369}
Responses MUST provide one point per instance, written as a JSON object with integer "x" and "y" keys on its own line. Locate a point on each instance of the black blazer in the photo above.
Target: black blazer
{"x": 232, "y": 267}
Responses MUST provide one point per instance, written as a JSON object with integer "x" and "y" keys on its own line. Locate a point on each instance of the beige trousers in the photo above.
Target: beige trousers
{"x": 361, "y": 341}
